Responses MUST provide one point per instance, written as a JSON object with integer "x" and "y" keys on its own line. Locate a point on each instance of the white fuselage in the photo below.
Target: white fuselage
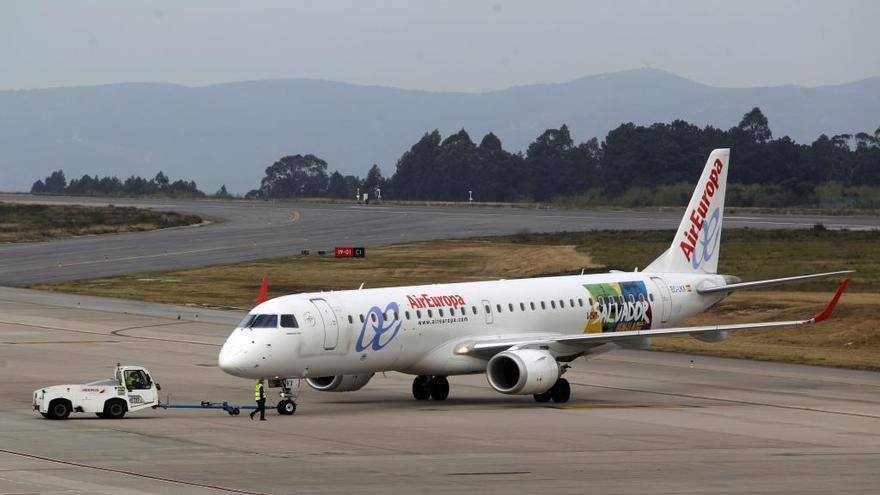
{"x": 417, "y": 329}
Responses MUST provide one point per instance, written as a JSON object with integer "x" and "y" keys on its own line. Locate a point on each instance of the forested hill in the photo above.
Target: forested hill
{"x": 227, "y": 133}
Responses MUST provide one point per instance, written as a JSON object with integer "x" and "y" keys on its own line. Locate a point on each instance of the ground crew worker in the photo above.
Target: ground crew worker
{"x": 129, "y": 381}
{"x": 260, "y": 397}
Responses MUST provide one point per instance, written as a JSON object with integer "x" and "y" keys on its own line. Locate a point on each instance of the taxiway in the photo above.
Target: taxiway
{"x": 246, "y": 230}
{"x": 639, "y": 422}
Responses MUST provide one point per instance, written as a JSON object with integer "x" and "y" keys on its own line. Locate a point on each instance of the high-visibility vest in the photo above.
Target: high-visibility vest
{"x": 258, "y": 391}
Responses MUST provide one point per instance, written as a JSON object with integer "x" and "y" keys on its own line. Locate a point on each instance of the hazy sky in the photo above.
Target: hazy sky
{"x": 435, "y": 45}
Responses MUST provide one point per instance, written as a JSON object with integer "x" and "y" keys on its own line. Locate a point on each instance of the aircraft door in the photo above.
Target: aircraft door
{"x": 487, "y": 307}
{"x": 665, "y": 299}
{"x": 331, "y": 325}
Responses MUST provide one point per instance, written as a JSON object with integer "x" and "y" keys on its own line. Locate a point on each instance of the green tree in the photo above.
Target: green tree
{"x": 414, "y": 176}
{"x": 549, "y": 163}
{"x": 498, "y": 174}
{"x": 454, "y": 167}
{"x": 296, "y": 175}
{"x": 756, "y": 126}
{"x": 352, "y": 184}
{"x": 373, "y": 180}
{"x": 56, "y": 182}
{"x": 161, "y": 180}
{"x": 337, "y": 187}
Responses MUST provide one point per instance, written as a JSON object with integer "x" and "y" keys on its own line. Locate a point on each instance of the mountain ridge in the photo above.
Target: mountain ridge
{"x": 476, "y": 92}
{"x": 227, "y": 133}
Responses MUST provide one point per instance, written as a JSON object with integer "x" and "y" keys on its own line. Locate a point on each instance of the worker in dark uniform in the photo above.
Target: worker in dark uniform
{"x": 260, "y": 397}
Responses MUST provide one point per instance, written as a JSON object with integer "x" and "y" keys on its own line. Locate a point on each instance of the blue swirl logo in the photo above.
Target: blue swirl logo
{"x": 709, "y": 239}
{"x": 379, "y": 328}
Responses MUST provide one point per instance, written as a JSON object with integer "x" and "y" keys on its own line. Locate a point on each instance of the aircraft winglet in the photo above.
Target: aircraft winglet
{"x": 264, "y": 290}
{"x": 825, "y": 314}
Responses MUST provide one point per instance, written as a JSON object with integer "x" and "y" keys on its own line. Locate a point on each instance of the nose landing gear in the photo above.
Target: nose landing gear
{"x": 430, "y": 387}
{"x": 287, "y": 405}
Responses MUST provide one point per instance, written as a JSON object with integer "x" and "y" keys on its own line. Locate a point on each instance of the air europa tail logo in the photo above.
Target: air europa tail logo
{"x": 704, "y": 227}
{"x": 426, "y": 301}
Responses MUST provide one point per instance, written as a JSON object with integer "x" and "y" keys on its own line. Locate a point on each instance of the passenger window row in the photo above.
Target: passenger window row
{"x": 609, "y": 300}
{"x": 571, "y": 303}
{"x": 554, "y": 304}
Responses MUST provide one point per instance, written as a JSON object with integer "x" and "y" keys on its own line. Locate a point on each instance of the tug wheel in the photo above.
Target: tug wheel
{"x": 114, "y": 409}
{"x": 59, "y": 409}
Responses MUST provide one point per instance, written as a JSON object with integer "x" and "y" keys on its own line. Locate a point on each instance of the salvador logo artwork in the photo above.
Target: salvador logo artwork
{"x": 619, "y": 307}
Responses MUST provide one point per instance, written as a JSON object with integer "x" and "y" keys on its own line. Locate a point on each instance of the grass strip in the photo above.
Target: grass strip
{"x": 21, "y": 222}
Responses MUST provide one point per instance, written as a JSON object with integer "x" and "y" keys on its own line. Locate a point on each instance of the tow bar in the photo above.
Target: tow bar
{"x": 231, "y": 409}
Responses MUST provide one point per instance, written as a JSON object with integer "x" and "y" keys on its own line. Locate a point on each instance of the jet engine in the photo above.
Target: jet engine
{"x": 339, "y": 383}
{"x": 522, "y": 371}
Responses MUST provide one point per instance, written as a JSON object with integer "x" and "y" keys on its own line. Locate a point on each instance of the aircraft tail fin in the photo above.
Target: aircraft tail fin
{"x": 696, "y": 244}
{"x": 263, "y": 295}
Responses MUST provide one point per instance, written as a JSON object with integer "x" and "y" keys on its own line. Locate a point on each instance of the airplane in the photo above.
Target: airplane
{"x": 522, "y": 333}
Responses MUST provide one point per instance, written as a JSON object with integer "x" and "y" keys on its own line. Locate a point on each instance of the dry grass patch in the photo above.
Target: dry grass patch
{"x": 850, "y": 339}
{"x": 21, "y": 222}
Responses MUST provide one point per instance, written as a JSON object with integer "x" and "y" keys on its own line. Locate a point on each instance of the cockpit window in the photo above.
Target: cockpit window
{"x": 288, "y": 321}
{"x": 265, "y": 321}
{"x": 260, "y": 321}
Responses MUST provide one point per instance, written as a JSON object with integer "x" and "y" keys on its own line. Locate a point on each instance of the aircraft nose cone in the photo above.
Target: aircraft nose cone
{"x": 233, "y": 358}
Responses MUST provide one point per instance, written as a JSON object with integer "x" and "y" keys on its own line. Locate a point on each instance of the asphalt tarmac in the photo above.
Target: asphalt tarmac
{"x": 246, "y": 230}
{"x": 638, "y": 423}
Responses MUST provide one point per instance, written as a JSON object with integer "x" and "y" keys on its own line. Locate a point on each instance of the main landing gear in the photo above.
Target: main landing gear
{"x": 559, "y": 392}
{"x": 430, "y": 387}
{"x": 286, "y": 406}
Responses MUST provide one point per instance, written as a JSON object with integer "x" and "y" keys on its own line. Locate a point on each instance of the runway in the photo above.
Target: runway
{"x": 246, "y": 230}
{"x": 639, "y": 422}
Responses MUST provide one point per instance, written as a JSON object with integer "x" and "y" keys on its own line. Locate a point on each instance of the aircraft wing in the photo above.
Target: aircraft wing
{"x": 762, "y": 283}
{"x": 492, "y": 346}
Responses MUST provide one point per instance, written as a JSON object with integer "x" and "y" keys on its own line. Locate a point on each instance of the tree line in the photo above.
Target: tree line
{"x": 56, "y": 183}
{"x": 634, "y": 165}
{"x": 632, "y": 158}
